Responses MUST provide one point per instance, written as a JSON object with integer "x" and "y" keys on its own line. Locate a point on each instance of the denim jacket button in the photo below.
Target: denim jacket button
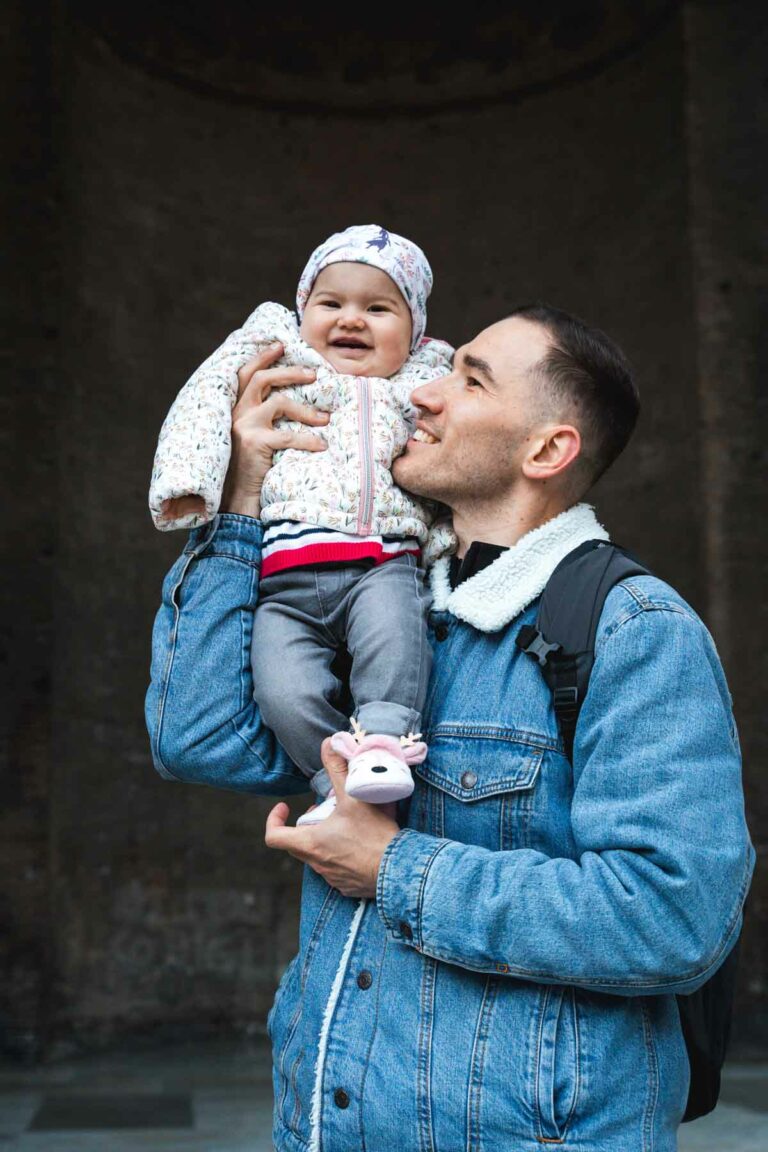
{"x": 405, "y": 930}
{"x": 364, "y": 980}
{"x": 468, "y": 779}
{"x": 340, "y": 1098}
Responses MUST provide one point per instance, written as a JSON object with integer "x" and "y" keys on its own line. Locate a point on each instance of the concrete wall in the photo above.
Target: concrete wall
{"x": 727, "y": 131}
{"x": 160, "y": 215}
{"x": 28, "y": 449}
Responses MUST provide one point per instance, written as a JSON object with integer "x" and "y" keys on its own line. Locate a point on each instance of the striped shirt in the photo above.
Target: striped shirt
{"x": 290, "y": 545}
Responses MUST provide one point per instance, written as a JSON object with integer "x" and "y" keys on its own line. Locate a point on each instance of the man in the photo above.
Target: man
{"x": 500, "y": 972}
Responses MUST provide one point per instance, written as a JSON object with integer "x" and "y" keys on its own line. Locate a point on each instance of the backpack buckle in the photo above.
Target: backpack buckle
{"x": 530, "y": 640}
{"x": 563, "y": 697}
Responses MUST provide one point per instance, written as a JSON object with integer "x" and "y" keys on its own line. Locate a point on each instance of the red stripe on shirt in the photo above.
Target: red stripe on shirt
{"x": 340, "y": 553}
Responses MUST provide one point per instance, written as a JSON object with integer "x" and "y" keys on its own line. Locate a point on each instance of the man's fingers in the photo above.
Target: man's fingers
{"x": 256, "y": 364}
{"x": 281, "y": 406}
{"x": 283, "y": 438}
{"x": 255, "y": 386}
{"x": 279, "y": 835}
{"x": 254, "y": 437}
{"x": 278, "y": 817}
{"x": 331, "y": 759}
{"x": 336, "y": 767}
{"x": 278, "y": 439}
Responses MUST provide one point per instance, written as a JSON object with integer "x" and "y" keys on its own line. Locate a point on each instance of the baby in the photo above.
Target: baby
{"x": 342, "y": 552}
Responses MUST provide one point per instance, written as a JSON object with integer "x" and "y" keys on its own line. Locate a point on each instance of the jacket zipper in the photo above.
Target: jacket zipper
{"x": 365, "y": 449}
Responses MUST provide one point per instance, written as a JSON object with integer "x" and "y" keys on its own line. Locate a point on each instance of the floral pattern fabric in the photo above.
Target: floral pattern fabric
{"x": 401, "y": 259}
{"x": 322, "y": 488}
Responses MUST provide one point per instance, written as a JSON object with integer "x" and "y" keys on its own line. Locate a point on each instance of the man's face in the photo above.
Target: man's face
{"x": 358, "y": 320}
{"x": 475, "y": 425}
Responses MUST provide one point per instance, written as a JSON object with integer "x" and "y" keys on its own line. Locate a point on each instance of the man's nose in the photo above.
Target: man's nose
{"x": 430, "y": 395}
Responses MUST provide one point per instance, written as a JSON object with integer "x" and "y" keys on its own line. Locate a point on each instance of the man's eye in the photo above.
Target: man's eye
{"x": 472, "y": 383}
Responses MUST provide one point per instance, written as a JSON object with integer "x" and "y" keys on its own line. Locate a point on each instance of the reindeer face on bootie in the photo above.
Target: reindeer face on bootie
{"x": 378, "y": 765}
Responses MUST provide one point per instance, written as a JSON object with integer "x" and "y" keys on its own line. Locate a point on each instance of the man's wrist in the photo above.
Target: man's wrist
{"x": 242, "y": 504}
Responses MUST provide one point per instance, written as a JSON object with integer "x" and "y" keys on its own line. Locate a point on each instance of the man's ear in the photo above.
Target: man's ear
{"x": 552, "y": 450}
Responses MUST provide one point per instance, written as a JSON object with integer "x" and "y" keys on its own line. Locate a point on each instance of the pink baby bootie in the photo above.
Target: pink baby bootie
{"x": 322, "y": 810}
{"x": 378, "y": 765}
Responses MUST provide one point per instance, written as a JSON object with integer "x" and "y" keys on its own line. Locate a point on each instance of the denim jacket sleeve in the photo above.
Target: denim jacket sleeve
{"x": 652, "y": 902}
{"x": 203, "y": 723}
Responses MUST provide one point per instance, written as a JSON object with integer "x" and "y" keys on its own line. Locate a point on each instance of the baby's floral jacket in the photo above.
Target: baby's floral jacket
{"x": 348, "y": 487}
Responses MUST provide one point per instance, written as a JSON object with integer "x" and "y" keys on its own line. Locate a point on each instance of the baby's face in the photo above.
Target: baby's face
{"x": 357, "y": 318}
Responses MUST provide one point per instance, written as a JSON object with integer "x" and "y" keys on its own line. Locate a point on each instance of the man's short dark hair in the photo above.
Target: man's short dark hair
{"x": 589, "y": 375}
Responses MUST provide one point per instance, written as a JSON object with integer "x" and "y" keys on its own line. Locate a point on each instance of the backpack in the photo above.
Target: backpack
{"x": 563, "y": 643}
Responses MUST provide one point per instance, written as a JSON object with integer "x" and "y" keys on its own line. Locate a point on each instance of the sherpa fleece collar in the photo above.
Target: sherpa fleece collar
{"x": 494, "y": 596}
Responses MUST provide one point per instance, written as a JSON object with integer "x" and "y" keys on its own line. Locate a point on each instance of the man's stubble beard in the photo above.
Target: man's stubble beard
{"x": 469, "y": 485}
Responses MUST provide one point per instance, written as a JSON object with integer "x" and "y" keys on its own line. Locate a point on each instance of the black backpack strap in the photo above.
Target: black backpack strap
{"x": 563, "y": 643}
{"x": 563, "y": 638}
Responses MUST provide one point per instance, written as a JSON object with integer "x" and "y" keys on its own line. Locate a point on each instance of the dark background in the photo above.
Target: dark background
{"x": 168, "y": 166}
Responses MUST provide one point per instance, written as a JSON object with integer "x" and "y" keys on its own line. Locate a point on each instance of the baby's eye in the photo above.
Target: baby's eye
{"x": 330, "y": 303}
{"x": 378, "y": 308}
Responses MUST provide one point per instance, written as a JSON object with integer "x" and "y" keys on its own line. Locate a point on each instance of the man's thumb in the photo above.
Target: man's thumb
{"x": 334, "y": 764}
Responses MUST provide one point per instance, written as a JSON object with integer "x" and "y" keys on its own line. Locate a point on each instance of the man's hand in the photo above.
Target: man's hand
{"x": 346, "y": 849}
{"x": 254, "y": 438}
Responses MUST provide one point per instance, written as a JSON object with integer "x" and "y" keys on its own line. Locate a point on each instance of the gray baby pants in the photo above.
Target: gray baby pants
{"x": 304, "y": 615}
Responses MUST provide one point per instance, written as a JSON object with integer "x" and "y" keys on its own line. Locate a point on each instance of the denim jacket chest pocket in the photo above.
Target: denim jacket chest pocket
{"x": 477, "y": 785}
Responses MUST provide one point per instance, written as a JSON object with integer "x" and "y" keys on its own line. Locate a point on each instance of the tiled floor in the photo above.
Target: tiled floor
{"x": 226, "y": 1088}
{"x": 216, "y": 1097}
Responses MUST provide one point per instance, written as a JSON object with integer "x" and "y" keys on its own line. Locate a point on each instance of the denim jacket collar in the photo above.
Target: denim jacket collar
{"x": 497, "y": 594}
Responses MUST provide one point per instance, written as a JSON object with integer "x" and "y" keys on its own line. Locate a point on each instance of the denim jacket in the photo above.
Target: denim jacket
{"x": 512, "y": 984}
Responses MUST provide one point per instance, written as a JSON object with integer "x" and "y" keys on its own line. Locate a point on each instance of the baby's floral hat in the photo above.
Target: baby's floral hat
{"x": 401, "y": 259}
